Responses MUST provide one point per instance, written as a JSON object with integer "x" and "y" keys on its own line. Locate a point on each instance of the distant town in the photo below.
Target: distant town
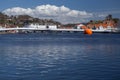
{"x": 22, "y": 20}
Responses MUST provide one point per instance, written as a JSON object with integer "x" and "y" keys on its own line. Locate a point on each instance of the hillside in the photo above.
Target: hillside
{"x": 21, "y": 20}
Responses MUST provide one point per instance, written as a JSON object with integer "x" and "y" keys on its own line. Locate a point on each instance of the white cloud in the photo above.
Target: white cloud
{"x": 61, "y": 14}
{"x": 103, "y": 14}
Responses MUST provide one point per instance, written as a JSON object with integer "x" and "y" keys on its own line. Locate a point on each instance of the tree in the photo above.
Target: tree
{"x": 116, "y": 20}
{"x": 109, "y": 17}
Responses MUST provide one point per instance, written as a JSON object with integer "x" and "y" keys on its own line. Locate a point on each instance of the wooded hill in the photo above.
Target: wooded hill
{"x": 21, "y": 20}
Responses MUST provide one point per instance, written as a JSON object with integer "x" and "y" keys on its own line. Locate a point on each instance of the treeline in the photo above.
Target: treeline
{"x": 107, "y": 18}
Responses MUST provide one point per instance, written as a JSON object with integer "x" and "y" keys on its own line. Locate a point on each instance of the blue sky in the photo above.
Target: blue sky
{"x": 95, "y": 7}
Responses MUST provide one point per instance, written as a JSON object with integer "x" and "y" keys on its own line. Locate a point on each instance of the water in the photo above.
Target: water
{"x": 61, "y": 56}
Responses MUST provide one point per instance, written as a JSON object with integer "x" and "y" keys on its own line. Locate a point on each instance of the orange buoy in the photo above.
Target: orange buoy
{"x": 88, "y": 31}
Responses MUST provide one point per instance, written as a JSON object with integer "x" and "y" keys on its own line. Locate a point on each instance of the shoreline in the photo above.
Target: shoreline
{"x": 55, "y": 32}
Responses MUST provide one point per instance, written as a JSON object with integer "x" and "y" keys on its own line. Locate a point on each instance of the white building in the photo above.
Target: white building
{"x": 41, "y": 26}
{"x": 79, "y": 26}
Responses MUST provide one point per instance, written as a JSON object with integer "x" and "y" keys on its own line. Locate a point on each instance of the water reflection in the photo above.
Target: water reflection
{"x": 66, "y": 59}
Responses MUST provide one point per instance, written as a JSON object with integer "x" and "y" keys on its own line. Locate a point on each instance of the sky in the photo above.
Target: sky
{"x": 64, "y": 11}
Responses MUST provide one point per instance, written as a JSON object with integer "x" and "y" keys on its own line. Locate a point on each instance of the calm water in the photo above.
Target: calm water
{"x": 60, "y": 56}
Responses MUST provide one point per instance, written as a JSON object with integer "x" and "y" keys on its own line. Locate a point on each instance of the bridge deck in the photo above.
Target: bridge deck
{"x": 45, "y": 29}
{"x": 8, "y": 29}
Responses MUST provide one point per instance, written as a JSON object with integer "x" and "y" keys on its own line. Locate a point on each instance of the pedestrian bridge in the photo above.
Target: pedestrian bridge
{"x": 38, "y": 29}
{"x": 53, "y": 29}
